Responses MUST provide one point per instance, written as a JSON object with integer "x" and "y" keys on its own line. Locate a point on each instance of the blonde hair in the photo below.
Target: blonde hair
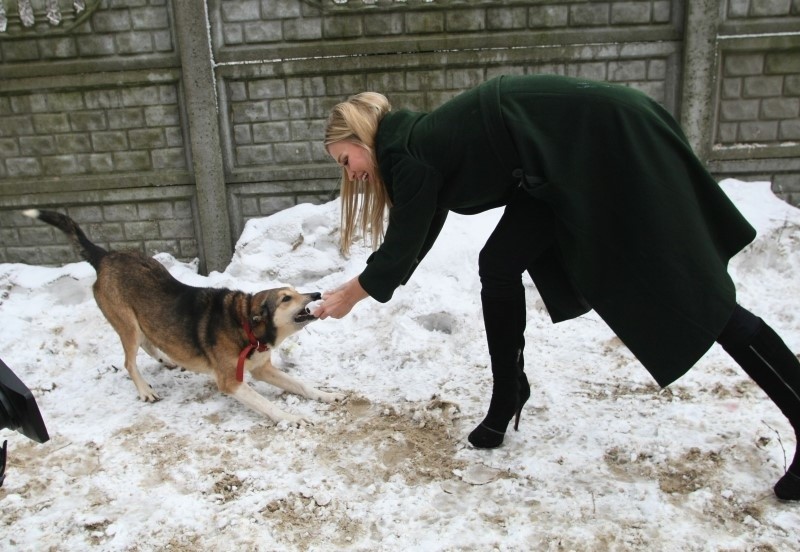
{"x": 364, "y": 203}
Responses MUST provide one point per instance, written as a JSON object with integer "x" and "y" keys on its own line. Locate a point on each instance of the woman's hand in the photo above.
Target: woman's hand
{"x": 340, "y": 301}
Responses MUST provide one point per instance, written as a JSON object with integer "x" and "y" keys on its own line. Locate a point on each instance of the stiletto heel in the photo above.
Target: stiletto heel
{"x": 524, "y": 395}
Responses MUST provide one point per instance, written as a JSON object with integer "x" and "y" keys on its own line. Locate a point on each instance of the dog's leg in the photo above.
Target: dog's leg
{"x": 146, "y": 392}
{"x": 268, "y": 373}
{"x": 250, "y": 397}
{"x": 124, "y": 322}
{"x": 130, "y": 336}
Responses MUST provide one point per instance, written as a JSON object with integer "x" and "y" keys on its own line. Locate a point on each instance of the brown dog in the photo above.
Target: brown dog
{"x": 209, "y": 330}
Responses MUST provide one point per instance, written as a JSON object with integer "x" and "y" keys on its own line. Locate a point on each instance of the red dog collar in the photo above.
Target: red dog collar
{"x": 254, "y": 345}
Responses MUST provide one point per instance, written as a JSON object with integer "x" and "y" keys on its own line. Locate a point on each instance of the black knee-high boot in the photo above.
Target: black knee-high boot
{"x": 776, "y": 370}
{"x": 505, "y": 324}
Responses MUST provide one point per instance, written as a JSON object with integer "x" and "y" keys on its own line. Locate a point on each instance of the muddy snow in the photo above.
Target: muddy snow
{"x": 603, "y": 460}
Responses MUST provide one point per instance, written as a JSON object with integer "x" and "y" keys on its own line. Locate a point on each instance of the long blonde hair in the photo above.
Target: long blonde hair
{"x": 364, "y": 203}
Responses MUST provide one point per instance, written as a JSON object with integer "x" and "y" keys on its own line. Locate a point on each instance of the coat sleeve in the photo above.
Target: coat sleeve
{"x": 414, "y": 223}
{"x": 437, "y": 224}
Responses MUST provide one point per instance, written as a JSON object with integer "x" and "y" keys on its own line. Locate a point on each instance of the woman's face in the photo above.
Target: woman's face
{"x": 354, "y": 159}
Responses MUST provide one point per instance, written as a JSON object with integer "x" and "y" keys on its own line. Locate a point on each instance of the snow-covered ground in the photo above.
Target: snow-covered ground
{"x": 604, "y": 460}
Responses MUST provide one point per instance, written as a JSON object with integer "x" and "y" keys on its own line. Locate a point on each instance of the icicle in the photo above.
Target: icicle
{"x": 26, "y": 12}
{"x": 53, "y": 12}
{"x": 79, "y": 6}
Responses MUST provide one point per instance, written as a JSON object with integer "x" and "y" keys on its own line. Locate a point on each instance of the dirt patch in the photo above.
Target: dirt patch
{"x": 735, "y": 390}
{"x": 603, "y": 391}
{"x": 306, "y": 521}
{"x": 694, "y": 470}
{"x": 415, "y": 441}
{"x": 227, "y": 487}
{"x": 96, "y": 531}
{"x": 372, "y": 442}
{"x": 691, "y": 471}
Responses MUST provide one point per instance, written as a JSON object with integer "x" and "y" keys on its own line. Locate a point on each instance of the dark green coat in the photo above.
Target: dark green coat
{"x": 642, "y": 232}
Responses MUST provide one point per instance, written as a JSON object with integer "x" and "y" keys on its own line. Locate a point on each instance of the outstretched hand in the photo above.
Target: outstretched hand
{"x": 339, "y": 302}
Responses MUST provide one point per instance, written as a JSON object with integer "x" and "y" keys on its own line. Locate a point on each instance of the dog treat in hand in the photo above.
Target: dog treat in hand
{"x": 314, "y": 305}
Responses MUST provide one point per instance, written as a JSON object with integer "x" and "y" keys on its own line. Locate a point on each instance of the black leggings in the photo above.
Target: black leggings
{"x": 741, "y": 328}
{"x": 524, "y": 232}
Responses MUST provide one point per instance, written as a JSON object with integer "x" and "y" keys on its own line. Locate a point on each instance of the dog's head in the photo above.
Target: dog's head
{"x": 281, "y": 311}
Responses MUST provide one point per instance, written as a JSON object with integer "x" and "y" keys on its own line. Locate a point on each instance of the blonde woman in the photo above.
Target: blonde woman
{"x": 605, "y": 206}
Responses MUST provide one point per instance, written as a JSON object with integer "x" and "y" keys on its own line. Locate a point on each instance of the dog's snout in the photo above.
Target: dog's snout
{"x": 316, "y": 296}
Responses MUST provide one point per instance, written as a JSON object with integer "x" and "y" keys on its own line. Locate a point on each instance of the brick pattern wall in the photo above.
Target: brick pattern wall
{"x": 759, "y": 85}
{"x": 89, "y": 132}
{"x": 120, "y": 28}
{"x": 276, "y": 121}
{"x": 82, "y": 133}
{"x": 149, "y": 226}
{"x": 93, "y": 119}
{"x": 741, "y": 9}
{"x": 258, "y": 22}
{"x": 757, "y": 104}
{"x": 91, "y": 137}
{"x": 287, "y": 23}
{"x": 760, "y": 102}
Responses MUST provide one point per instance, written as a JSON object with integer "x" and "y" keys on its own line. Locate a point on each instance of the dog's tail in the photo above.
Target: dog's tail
{"x": 88, "y": 250}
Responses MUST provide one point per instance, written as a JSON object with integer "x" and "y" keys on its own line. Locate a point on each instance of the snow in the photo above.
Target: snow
{"x": 603, "y": 460}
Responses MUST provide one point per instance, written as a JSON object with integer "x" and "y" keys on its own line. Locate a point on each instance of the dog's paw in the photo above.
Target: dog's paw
{"x": 289, "y": 420}
{"x": 149, "y": 396}
{"x": 324, "y": 396}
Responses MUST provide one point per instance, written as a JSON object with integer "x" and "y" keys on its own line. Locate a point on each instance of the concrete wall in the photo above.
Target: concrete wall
{"x": 165, "y": 127}
{"x": 755, "y": 99}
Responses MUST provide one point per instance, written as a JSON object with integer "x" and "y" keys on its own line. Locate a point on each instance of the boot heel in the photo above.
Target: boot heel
{"x": 484, "y": 436}
{"x": 524, "y": 395}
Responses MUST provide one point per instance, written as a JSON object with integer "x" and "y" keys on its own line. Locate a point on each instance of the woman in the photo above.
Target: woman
{"x": 606, "y": 207}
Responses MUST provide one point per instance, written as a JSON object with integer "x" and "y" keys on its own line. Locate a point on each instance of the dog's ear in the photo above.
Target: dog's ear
{"x": 264, "y": 313}
{"x": 262, "y": 316}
